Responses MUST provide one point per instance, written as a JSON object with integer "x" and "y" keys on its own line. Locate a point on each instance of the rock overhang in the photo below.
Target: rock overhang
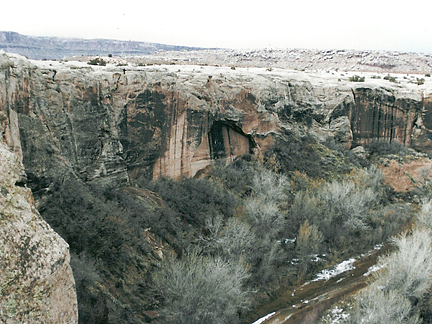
{"x": 153, "y": 121}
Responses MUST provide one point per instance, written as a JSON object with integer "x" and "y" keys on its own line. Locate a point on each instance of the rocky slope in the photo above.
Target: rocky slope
{"x": 37, "y": 285}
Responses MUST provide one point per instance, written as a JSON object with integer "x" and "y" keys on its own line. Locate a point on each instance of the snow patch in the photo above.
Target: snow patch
{"x": 376, "y": 247}
{"x": 342, "y": 267}
{"x": 338, "y": 315}
{"x": 373, "y": 269}
{"x": 262, "y": 319}
{"x": 316, "y": 258}
{"x": 294, "y": 261}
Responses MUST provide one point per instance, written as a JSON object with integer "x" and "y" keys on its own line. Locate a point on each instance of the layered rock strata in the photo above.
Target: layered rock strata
{"x": 381, "y": 113}
{"x": 112, "y": 125}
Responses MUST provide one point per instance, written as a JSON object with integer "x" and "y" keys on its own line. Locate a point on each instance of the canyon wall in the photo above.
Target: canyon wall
{"x": 112, "y": 125}
{"x": 381, "y": 113}
{"x": 37, "y": 285}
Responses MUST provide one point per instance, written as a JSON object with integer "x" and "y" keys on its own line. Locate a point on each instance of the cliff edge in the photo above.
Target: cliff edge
{"x": 37, "y": 285}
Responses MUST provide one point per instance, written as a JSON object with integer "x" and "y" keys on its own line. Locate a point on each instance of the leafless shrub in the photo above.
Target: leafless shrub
{"x": 309, "y": 241}
{"x": 377, "y": 307}
{"x": 233, "y": 240}
{"x": 264, "y": 216}
{"x": 198, "y": 289}
{"x": 269, "y": 186}
{"x": 393, "y": 296}
{"x": 424, "y": 217}
{"x": 346, "y": 202}
{"x": 374, "y": 179}
{"x": 270, "y": 191}
{"x": 409, "y": 270}
{"x": 341, "y": 210}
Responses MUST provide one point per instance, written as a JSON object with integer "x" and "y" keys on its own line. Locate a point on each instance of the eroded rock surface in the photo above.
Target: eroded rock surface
{"x": 37, "y": 285}
{"x": 381, "y": 113}
{"x": 112, "y": 125}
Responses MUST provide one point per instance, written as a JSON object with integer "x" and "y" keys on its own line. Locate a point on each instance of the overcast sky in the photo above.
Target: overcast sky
{"x": 325, "y": 24}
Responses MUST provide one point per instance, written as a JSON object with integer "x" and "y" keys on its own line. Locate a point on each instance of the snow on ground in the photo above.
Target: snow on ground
{"x": 336, "y": 316}
{"x": 347, "y": 265}
{"x": 262, "y": 319}
{"x": 319, "y": 77}
{"x": 373, "y": 269}
{"x": 342, "y": 267}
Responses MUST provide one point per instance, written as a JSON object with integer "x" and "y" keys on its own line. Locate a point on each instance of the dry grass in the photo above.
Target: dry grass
{"x": 401, "y": 176}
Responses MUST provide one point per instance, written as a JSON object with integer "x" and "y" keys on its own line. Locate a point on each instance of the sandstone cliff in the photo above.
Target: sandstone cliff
{"x": 112, "y": 125}
{"x": 37, "y": 285}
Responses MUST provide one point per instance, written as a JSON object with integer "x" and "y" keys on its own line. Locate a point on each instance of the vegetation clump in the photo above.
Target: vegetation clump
{"x": 380, "y": 147}
{"x": 420, "y": 81}
{"x": 394, "y": 295}
{"x": 390, "y": 78}
{"x": 201, "y": 289}
{"x": 356, "y": 78}
{"x": 97, "y": 61}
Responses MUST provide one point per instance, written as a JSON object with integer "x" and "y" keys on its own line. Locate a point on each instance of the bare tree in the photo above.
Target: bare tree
{"x": 408, "y": 270}
{"x": 375, "y": 306}
{"x": 393, "y": 296}
{"x": 201, "y": 289}
{"x": 269, "y": 186}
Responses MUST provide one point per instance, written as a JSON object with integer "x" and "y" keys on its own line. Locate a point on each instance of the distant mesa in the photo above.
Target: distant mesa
{"x": 55, "y": 48}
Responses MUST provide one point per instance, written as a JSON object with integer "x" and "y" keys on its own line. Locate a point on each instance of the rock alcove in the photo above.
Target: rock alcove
{"x": 228, "y": 141}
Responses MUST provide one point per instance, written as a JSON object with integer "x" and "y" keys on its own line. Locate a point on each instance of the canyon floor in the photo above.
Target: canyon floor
{"x": 307, "y": 302}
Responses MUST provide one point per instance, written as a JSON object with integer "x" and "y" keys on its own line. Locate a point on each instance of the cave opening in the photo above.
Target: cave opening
{"x": 217, "y": 143}
{"x": 228, "y": 141}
